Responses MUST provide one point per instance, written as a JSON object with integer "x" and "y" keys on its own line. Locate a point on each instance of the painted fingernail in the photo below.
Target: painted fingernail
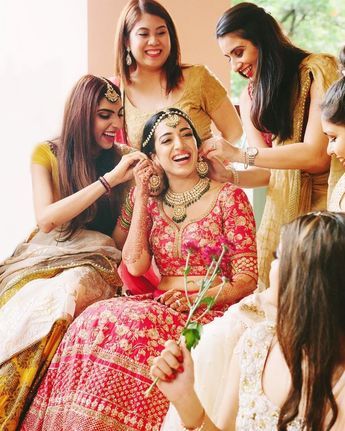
{"x": 180, "y": 369}
{"x": 180, "y": 358}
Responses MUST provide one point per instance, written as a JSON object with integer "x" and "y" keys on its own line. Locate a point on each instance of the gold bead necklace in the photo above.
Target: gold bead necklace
{"x": 180, "y": 201}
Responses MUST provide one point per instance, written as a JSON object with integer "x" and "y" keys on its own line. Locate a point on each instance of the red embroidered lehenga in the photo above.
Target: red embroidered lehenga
{"x": 98, "y": 377}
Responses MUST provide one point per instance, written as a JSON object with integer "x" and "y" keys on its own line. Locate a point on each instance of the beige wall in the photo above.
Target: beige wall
{"x": 195, "y": 21}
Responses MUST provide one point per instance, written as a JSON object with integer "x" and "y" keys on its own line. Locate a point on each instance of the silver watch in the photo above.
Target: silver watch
{"x": 251, "y": 153}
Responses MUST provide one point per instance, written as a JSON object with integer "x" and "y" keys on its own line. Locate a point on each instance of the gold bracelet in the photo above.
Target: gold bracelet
{"x": 235, "y": 176}
{"x": 200, "y": 427}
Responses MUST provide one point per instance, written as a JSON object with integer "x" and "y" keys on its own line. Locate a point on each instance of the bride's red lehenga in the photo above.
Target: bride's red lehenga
{"x": 100, "y": 372}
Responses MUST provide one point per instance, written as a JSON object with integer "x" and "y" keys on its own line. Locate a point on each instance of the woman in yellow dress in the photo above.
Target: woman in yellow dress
{"x": 70, "y": 261}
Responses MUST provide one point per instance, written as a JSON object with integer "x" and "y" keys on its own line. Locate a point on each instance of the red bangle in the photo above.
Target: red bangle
{"x": 105, "y": 184}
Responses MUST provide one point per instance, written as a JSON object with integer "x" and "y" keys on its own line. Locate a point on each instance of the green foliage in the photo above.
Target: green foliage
{"x": 314, "y": 25}
{"x": 209, "y": 301}
{"x": 192, "y": 334}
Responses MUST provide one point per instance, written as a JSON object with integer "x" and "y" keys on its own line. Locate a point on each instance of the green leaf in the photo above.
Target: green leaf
{"x": 209, "y": 301}
{"x": 192, "y": 334}
{"x": 195, "y": 326}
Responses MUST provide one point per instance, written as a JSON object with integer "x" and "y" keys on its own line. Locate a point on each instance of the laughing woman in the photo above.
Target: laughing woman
{"x": 99, "y": 375}
{"x": 71, "y": 260}
{"x": 280, "y": 109}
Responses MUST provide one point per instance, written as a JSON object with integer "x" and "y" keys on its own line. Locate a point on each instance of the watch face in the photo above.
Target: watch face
{"x": 252, "y": 151}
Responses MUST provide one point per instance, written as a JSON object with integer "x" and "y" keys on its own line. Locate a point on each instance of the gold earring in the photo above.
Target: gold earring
{"x": 128, "y": 57}
{"x": 155, "y": 185}
{"x": 202, "y": 168}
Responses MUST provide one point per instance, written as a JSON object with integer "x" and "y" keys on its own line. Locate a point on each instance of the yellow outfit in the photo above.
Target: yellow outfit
{"x": 43, "y": 155}
{"x": 203, "y": 93}
{"x": 292, "y": 192}
{"x": 43, "y": 286}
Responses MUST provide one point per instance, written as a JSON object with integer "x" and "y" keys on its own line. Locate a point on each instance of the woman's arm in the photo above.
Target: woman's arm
{"x": 51, "y": 214}
{"x": 227, "y": 121}
{"x": 251, "y": 177}
{"x": 252, "y": 133}
{"x": 309, "y": 155}
{"x": 241, "y": 259}
{"x": 136, "y": 252}
{"x": 174, "y": 368}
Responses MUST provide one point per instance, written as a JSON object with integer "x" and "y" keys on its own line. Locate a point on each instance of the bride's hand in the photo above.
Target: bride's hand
{"x": 142, "y": 172}
{"x": 174, "y": 299}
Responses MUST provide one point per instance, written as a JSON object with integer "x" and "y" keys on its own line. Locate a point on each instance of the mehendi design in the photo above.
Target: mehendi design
{"x": 137, "y": 241}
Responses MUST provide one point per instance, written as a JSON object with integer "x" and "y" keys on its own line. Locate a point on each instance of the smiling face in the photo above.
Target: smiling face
{"x": 108, "y": 120}
{"x": 176, "y": 148}
{"x": 336, "y": 139}
{"x": 149, "y": 41}
{"x": 241, "y": 53}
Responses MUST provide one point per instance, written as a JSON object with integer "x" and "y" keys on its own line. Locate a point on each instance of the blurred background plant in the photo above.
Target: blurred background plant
{"x": 314, "y": 25}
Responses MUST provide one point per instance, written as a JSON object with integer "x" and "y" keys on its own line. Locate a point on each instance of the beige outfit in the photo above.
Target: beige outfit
{"x": 202, "y": 94}
{"x": 213, "y": 354}
{"x": 292, "y": 192}
{"x": 256, "y": 411}
{"x": 337, "y": 195}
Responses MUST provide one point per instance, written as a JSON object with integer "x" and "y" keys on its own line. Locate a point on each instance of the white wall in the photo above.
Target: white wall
{"x": 43, "y": 52}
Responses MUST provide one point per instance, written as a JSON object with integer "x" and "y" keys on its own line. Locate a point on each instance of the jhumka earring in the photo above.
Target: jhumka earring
{"x": 128, "y": 57}
{"x": 202, "y": 168}
{"x": 155, "y": 185}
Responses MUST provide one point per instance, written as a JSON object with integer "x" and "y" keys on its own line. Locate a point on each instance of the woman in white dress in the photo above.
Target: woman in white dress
{"x": 306, "y": 349}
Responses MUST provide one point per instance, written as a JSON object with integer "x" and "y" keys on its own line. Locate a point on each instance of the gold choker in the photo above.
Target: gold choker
{"x": 180, "y": 201}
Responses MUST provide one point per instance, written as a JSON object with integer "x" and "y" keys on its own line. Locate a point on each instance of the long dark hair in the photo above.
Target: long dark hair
{"x": 311, "y": 318}
{"x": 76, "y": 144}
{"x": 333, "y": 106}
{"x": 277, "y": 77}
{"x": 130, "y": 15}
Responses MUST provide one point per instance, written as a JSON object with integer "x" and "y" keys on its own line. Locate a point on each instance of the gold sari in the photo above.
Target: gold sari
{"x": 292, "y": 192}
{"x": 43, "y": 286}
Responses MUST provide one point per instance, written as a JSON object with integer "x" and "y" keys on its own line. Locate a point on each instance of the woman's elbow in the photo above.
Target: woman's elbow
{"x": 137, "y": 270}
{"x": 45, "y": 225}
{"x": 319, "y": 163}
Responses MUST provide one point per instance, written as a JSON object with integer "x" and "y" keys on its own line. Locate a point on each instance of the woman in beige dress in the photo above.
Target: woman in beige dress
{"x": 288, "y": 376}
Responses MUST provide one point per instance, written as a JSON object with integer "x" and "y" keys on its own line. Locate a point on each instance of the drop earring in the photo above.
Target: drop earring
{"x": 129, "y": 57}
{"x": 155, "y": 185}
{"x": 202, "y": 168}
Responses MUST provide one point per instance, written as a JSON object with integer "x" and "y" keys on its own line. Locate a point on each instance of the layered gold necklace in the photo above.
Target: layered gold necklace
{"x": 180, "y": 201}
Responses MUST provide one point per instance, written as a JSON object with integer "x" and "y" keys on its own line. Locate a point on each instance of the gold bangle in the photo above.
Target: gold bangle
{"x": 235, "y": 176}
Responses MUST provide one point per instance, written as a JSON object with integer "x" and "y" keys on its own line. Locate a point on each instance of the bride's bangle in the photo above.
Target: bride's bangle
{"x": 200, "y": 427}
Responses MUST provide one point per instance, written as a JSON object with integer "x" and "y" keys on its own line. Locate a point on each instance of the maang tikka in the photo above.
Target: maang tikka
{"x": 110, "y": 94}
{"x": 128, "y": 56}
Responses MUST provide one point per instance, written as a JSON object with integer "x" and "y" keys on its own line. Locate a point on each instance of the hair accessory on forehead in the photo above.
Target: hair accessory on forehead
{"x": 172, "y": 117}
{"x": 110, "y": 94}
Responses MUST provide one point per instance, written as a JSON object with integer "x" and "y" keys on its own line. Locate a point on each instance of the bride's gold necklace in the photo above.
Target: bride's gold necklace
{"x": 180, "y": 201}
